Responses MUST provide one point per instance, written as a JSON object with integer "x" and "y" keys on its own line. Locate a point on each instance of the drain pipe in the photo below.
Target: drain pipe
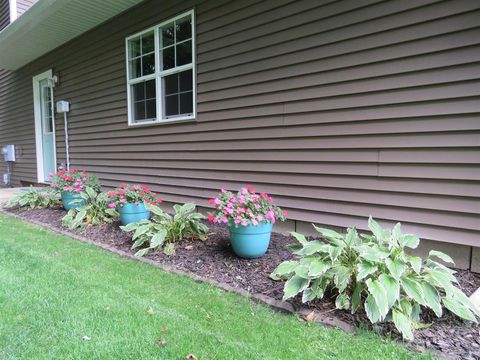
{"x": 64, "y": 107}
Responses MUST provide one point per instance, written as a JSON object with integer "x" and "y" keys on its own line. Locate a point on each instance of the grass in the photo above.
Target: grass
{"x": 54, "y": 291}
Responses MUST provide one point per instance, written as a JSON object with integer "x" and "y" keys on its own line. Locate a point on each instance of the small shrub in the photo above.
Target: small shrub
{"x": 35, "y": 198}
{"x": 94, "y": 212}
{"x": 163, "y": 230}
{"x": 375, "y": 272}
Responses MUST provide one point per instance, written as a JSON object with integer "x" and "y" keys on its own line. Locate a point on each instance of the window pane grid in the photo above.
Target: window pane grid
{"x": 172, "y": 51}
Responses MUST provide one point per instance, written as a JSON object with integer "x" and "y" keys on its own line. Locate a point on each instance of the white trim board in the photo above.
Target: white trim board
{"x": 13, "y": 10}
{"x": 41, "y": 176}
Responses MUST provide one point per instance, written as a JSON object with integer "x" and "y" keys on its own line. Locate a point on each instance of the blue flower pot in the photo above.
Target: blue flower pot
{"x": 68, "y": 200}
{"x": 250, "y": 241}
{"x": 132, "y": 213}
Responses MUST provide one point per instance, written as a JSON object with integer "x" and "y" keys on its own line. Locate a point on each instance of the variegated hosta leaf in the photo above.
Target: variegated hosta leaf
{"x": 438, "y": 278}
{"x": 441, "y": 256}
{"x": 284, "y": 269}
{"x": 376, "y": 289}
{"x": 372, "y": 253}
{"x": 392, "y": 287}
{"x": 142, "y": 252}
{"x": 158, "y": 239}
{"x": 318, "y": 267}
{"x": 408, "y": 240}
{"x": 396, "y": 234}
{"x": 341, "y": 277}
{"x": 342, "y": 301}
{"x": 334, "y": 252}
{"x": 403, "y": 323}
{"x": 372, "y": 310}
{"x": 458, "y": 295}
{"x": 331, "y": 236}
{"x": 365, "y": 268}
{"x": 300, "y": 237}
{"x": 319, "y": 285}
{"x": 381, "y": 234}
{"x": 293, "y": 286}
{"x": 302, "y": 270}
{"x": 396, "y": 267}
{"x": 313, "y": 247}
{"x": 413, "y": 289}
{"x": 432, "y": 298}
{"x": 459, "y": 309}
{"x": 352, "y": 238}
{"x": 357, "y": 296}
{"x": 416, "y": 263}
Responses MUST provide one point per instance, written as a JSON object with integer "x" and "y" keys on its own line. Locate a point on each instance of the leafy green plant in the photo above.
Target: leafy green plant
{"x": 35, "y": 198}
{"x": 94, "y": 212}
{"x": 373, "y": 271}
{"x": 163, "y": 230}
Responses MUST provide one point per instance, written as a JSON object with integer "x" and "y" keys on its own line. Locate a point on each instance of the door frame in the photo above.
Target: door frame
{"x": 41, "y": 176}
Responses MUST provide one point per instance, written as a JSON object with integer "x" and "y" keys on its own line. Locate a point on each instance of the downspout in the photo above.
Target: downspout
{"x": 67, "y": 147}
{"x": 64, "y": 107}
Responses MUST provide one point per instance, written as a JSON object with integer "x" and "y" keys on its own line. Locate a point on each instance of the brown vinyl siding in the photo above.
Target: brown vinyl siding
{"x": 24, "y": 5}
{"x": 340, "y": 109}
{"x": 4, "y": 13}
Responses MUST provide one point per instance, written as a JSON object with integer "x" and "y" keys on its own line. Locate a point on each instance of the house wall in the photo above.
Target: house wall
{"x": 4, "y": 13}
{"x": 339, "y": 109}
{"x": 24, "y": 5}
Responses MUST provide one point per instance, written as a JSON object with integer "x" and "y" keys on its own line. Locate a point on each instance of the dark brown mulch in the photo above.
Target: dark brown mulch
{"x": 215, "y": 260}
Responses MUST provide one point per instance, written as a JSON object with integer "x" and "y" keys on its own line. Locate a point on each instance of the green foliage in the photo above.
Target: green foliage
{"x": 374, "y": 270}
{"x": 94, "y": 212}
{"x": 35, "y": 198}
{"x": 64, "y": 290}
{"x": 162, "y": 230}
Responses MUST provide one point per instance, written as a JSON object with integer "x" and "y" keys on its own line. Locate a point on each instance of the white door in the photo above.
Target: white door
{"x": 44, "y": 126}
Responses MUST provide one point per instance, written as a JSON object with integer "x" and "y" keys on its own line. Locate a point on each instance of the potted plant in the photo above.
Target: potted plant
{"x": 249, "y": 217}
{"x": 129, "y": 200}
{"x": 71, "y": 183}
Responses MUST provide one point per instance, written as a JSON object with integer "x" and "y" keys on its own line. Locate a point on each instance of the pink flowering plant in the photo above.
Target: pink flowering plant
{"x": 132, "y": 194}
{"x": 74, "y": 181}
{"x": 245, "y": 208}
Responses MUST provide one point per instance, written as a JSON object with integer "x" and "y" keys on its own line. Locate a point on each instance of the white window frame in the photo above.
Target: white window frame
{"x": 159, "y": 74}
{"x": 13, "y": 10}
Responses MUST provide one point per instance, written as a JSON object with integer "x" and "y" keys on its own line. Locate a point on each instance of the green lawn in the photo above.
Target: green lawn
{"x": 54, "y": 291}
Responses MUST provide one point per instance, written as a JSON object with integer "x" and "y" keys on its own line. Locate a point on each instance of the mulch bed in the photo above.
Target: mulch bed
{"x": 213, "y": 259}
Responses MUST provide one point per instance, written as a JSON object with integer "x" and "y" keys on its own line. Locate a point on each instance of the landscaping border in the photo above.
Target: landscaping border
{"x": 281, "y": 306}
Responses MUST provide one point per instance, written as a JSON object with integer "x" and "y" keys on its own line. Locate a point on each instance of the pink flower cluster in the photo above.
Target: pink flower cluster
{"x": 245, "y": 208}
{"x": 73, "y": 181}
{"x": 132, "y": 194}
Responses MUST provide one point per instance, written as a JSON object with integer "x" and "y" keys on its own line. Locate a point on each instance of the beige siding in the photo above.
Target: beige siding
{"x": 24, "y": 5}
{"x": 340, "y": 109}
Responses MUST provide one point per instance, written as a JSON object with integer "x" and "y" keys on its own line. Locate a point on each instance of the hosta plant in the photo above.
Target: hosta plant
{"x": 163, "y": 229}
{"x": 94, "y": 212}
{"x": 375, "y": 272}
{"x": 35, "y": 198}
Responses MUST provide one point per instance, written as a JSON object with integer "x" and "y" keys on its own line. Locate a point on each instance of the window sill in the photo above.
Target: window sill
{"x": 163, "y": 122}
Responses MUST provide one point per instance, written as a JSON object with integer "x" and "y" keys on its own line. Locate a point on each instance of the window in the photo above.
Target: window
{"x": 161, "y": 72}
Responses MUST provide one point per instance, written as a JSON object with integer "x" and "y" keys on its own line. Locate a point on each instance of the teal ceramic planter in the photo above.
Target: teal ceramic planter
{"x": 68, "y": 200}
{"x": 250, "y": 241}
{"x": 132, "y": 213}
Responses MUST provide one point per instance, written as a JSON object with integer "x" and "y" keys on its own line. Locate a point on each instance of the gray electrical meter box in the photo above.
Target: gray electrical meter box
{"x": 8, "y": 152}
{"x": 63, "y": 106}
